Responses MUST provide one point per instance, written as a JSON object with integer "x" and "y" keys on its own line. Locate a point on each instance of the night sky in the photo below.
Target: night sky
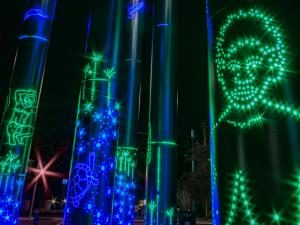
{"x": 65, "y": 61}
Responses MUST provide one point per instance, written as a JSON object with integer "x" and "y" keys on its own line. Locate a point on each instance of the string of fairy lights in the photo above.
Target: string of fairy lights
{"x": 241, "y": 201}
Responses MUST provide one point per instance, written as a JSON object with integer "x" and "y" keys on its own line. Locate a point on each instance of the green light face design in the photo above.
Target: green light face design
{"x": 249, "y": 68}
{"x": 20, "y": 126}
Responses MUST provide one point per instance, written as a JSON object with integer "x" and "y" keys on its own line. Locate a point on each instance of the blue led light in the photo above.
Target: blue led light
{"x": 90, "y": 176}
{"x": 124, "y": 200}
{"x": 135, "y": 9}
{"x": 34, "y": 37}
{"x": 35, "y": 13}
{"x": 82, "y": 179}
{"x": 162, "y": 25}
{"x": 9, "y": 185}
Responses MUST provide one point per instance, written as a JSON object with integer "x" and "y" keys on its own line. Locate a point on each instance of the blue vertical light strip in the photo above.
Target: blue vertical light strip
{"x": 88, "y": 32}
{"x": 161, "y": 153}
{"x": 214, "y": 183}
{"x": 124, "y": 193}
{"x": 19, "y": 115}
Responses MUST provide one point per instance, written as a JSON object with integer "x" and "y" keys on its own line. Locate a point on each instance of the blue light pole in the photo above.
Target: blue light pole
{"x": 124, "y": 193}
{"x": 161, "y": 154}
{"x": 19, "y": 115}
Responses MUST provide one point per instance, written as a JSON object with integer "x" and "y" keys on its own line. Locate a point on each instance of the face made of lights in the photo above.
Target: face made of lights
{"x": 249, "y": 68}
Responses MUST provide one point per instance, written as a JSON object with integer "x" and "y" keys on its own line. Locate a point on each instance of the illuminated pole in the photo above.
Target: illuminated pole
{"x": 161, "y": 155}
{"x": 19, "y": 115}
{"x": 90, "y": 191}
{"x": 130, "y": 85}
{"x": 255, "y": 113}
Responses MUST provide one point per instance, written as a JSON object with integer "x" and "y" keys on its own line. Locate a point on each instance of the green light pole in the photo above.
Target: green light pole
{"x": 19, "y": 115}
{"x": 161, "y": 154}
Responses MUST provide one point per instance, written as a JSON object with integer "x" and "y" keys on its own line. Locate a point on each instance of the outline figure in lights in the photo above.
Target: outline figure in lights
{"x": 249, "y": 69}
{"x": 82, "y": 179}
{"x": 19, "y": 128}
{"x": 135, "y": 8}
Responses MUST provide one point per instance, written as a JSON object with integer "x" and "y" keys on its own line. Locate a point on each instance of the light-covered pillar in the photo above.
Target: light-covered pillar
{"x": 21, "y": 107}
{"x": 161, "y": 153}
{"x": 129, "y": 83}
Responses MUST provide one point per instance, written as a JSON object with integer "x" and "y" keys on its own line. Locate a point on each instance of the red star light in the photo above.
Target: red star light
{"x": 42, "y": 171}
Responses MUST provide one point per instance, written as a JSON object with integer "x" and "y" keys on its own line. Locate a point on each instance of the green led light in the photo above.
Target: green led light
{"x": 241, "y": 201}
{"x": 118, "y": 106}
{"x": 109, "y": 73}
{"x": 91, "y": 77}
{"x": 276, "y": 218}
{"x": 298, "y": 201}
{"x": 152, "y": 206}
{"x": 19, "y": 128}
{"x": 88, "y": 107}
{"x": 128, "y": 148}
{"x": 126, "y": 160}
{"x": 240, "y": 195}
{"x": 10, "y": 163}
{"x": 248, "y": 70}
{"x": 97, "y": 58}
{"x": 149, "y": 148}
{"x": 163, "y": 143}
{"x": 170, "y": 214}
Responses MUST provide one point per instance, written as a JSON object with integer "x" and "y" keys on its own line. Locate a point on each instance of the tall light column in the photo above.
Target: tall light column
{"x": 90, "y": 191}
{"x": 255, "y": 111}
{"x": 19, "y": 115}
{"x": 130, "y": 85}
{"x": 161, "y": 155}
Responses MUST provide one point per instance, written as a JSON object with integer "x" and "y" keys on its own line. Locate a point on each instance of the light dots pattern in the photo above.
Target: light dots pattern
{"x": 240, "y": 200}
{"x": 249, "y": 68}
